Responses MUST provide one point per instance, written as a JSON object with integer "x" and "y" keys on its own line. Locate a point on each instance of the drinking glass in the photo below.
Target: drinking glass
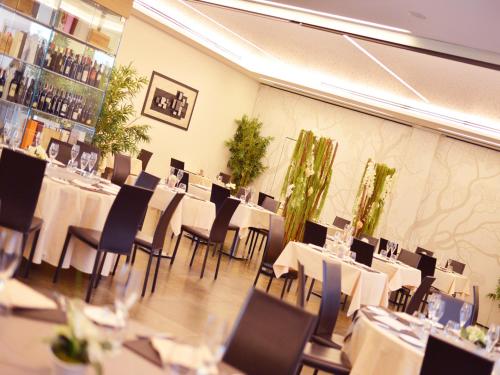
{"x": 75, "y": 151}
{"x": 212, "y": 344}
{"x": 15, "y": 139}
{"x": 452, "y": 328}
{"x": 438, "y": 311}
{"x": 383, "y": 253}
{"x": 172, "y": 171}
{"x": 352, "y": 254}
{"x": 53, "y": 151}
{"x": 127, "y": 285}
{"x": 92, "y": 161}
{"x": 7, "y": 131}
{"x": 182, "y": 187}
{"x": 84, "y": 161}
{"x": 492, "y": 337}
{"x": 9, "y": 261}
{"x": 465, "y": 314}
{"x": 180, "y": 174}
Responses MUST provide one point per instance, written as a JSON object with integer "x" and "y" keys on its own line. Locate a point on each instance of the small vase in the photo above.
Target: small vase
{"x": 60, "y": 367}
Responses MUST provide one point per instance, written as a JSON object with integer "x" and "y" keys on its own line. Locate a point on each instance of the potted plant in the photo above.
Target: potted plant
{"x": 496, "y": 295}
{"x": 115, "y": 131}
{"x": 78, "y": 344}
{"x": 247, "y": 148}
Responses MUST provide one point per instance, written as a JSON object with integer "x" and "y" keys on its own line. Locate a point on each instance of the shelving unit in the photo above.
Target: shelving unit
{"x": 81, "y": 34}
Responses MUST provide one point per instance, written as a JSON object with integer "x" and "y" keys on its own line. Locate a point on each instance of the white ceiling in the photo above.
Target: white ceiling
{"x": 300, "y": 57}
{"x": 468, "y": 23}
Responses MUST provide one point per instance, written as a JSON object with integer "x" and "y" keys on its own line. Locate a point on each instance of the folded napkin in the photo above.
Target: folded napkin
{"x": 102, "y": 316}
{"x": 19, "y": 295}
{"x": 84, "y": 185}
{"x": 391, "y": 322}
{"x": 173, "y": 353}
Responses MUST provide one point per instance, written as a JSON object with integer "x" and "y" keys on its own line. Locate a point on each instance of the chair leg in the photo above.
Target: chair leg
{"x": 205, "y": 260}
{"x": 116, "y": 265}
{"x": 61, "y": 258}
{"x": 218, "y": 263}
{"x": 253, "y": 245}
{"x": 146, "y": 276}
{"x": 32, "y": 253}
{"x": 175, "y": 248}
{"x": 248, "y": 237}
{"x": 269, "y": 283}
{"x": 261, "y": 242}
{"x": 257, "y": 277}
{"x": 134, "y": 251}
{"x": 99, "y": 274}
{"x": 310, "y": 290}
{"x": 253, "y": 235}
{"x": 236, "y": 241}
{"x": 156, "y": 270}
{"x": 93, "y": 277}
{"x": 194, "y": 253}
{"x": 289, "y": 286}
{"x": 283, "y": 289}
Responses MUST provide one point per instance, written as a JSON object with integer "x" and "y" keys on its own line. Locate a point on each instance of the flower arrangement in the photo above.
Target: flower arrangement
{"x": 306, "y": 182}
{"x": 38, "y": 152}
{"x": 474, "y": 334}
{"x": 80, "y": 342}
{"x": 231, "y": 186}
{"x": 374, "y": 189}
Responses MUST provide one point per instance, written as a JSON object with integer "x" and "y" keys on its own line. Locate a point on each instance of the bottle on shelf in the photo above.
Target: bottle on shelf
{"x": 21, "y": 90}
{"x": 29, "y": 92}
{"x": 13, "y": 86}
{"x": 98, "y": 79}
{"x": 2, "y": 82}
{"x": 68, "y": 63}
{"x": 47, "y": 103}
{"x": 86, "y": 70}
{"x": 93, "y": 75}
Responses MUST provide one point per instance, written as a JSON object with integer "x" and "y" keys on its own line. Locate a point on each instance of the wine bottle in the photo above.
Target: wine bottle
{"x": 63, "y": 112}
{"x": 59, "y": 60}
{"x": 48, "y": 56}
{"x": 99, "y": 76}
{"x": 36, "y": 99}
{"x": 14, "y": 84}
{"x": 93, "y": 74}
{"x": 21, "y": 90}
{"x": 48, "y": 100}
{"x": 86, "y": 71}
{"x": 74, "y": 67}
{"x": 56, "y": 102}
{"x": 29, "y": 92}
{"x": 68, "y": 64}
{"x": 2, "y": 81}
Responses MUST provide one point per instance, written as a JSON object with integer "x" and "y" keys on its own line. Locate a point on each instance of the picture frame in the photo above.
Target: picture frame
{"x": 169, "y": 101}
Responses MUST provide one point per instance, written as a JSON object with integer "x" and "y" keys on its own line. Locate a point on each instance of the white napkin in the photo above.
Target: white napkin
{"x": 83, "y": 184}
{"x": 184, "y": 355}
{"x": 409, "y": 318}
{"x": 391, "y": 322}
{"x": 102, "y": 316}
{"x": 109, "y": 189}
{"x": 17, "y": 294}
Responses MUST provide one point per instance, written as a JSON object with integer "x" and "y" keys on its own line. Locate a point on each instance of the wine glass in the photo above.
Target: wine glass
{"x": 182, "y": 187}
{"x": 9, "y": 261}
{"x": 465, "y": 314}
{"x": 212, "y": 344}
{"x": 92, "y": 161}
{"x": 383, "y": 252}
{"x": 440, "y": 306}
{"x": 492, "y": 337}
{"x": 7, "y": 131}
{"x": 84, "y": 161}
{"x": 75, "y": 151}
{"x": 452, "y": 328}
{"x": 53, "y": 151}
{"x": 180, "y": 174}
{"x": 127, "y": 284}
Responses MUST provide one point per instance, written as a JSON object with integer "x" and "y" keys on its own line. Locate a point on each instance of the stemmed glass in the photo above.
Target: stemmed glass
{"x": 127, "y": 283}
{"x": 465, "y": 314}
{"x": 9, "y": 261}
{"x": 180, "y": 174}
{"x": 92, "y": 161}
{"x": 84, "y": 161}
{"x": 436, "y": 307}
{"x": 75, "y": 151}
{"x": 182, "y": 187}
{"x": 53, "y": 151}
{"x": 212, "y": 344}
{"x": 492, "y": 337}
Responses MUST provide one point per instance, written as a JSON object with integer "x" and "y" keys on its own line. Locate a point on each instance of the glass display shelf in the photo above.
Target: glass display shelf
{"x": 29, "y": 17}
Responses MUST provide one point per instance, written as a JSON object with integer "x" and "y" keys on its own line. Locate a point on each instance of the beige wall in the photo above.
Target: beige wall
{"x": 445, "y": 197}
{"x": 224, "y": 94}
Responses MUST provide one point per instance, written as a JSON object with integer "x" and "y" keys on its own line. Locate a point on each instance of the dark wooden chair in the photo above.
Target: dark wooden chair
{"x": 274, "y": 247}
{"x": 422, "y": 251}
{"x": 225, "y": 178}
{"x": 121, "y": 169}
{"x": 452, "y": 310}
{"x": 364, "y": 251}
{"x": 154, "y": 246}
{"x": 371, "y": 240}
{"x": 269, "y": 204}
{"x": 443, "y": 356}
{"x": 340, "y": 222}
{"x": 314, "y": 233}
{"x": 64, "y": 154}
{"x": 262, "y": 196}
{"x": 400, "y": 296}
{"x": 409, "y": 258}
{"x": 269, "y": 336}
{"x": 218, "y": 195}
{"x": 419, "y": 296}
{"x": 21, "y": 179}
{"x": 456, "y": 266}
{"x": 383, "y": 246}
{"x": 427, "y": 265}
{"x": 117, "y": 235}
{"x": 147, "y": 181}
{"x": 215, "y": 237}
{"x": 177, "y": 164}
{"x": 144, "y": 156}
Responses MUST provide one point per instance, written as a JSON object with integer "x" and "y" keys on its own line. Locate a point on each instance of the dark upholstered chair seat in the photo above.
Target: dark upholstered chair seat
{"x": 233, "y": 227}
{"x": 144, "y": 241}
{"x": 197, "y": 232}
{"x": 326, "y": 359}
{"x": 89, "y": 236}
{"x": 330, "y": 342}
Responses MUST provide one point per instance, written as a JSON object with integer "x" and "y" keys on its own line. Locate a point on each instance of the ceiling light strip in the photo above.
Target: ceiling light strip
{"x": 469, "y": 137}
{"x": 383, "y": 66}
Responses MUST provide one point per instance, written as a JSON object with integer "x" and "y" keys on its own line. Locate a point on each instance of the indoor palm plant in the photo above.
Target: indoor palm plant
{"x": 247, "y": 148}
{"x": 495, "y": 296}
{"x": 115, "y": 131}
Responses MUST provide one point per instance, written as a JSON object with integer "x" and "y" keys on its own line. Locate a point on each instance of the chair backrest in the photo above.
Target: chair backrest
{"x": 452, "y": 310}
{"x": 162, "y": 226}
{"x": 221, "y": 223}
{"x": 123, "y": 219}
{"x": 87, "y": 147}
{"x": 314, "y": 233}
{"x": 427, "y": 265}
{"x": 64, "y": 154}
{"x": 177, "y": 164}
{"x": 147, "y": 181}
{"x": 275, "y": 239}
{"x": 225, "y": 178}
{"x": 475, "y": 304}
{"x": 340, "y": 222}
{"x": 330, "y": 299}
{"x": 364, "y": 251}
{"x": 263, "y": 196}
{"x": 270, "y": 204}
{"x": 382, "y": 244}
{"x": 269, "y": 336}
{"x": 144, "y": 156}
{"x": 409, "y": 258}
{"x": 218, "y": 195}
{"x": 21, "y": 178}
{"x": 457, "y": 266}
{"x": 121, "y": 169}
{"x": 419, "y": 295}
{"x": 371, "y": 240}
{"x": 421, "y": 250}
{"x": 446, "y": 357}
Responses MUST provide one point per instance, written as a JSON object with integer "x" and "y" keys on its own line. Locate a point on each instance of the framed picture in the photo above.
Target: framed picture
{"x": 169, "y": 101}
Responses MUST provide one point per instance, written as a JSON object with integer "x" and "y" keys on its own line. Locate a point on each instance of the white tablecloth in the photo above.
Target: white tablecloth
{"x": 200, "y": 191}
{"x": 199, "y": 180}
{"x": 451, "y": 282}
{"x": 61, "y": 205}
{"x": 399, "y": 274}
{"x": 364, "y": 287}
{"x": 250, "y": 215}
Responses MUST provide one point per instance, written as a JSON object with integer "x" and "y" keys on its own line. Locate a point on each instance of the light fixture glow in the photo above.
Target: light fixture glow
{"x": 470, "y": 137}
{"x": 383, "y": 66}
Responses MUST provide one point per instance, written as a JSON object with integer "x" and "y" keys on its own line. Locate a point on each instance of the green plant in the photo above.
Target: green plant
{"x": 114, "y": 131}
{"x": 496, "y": 295}
{"x": 247, "y": 148}
{"x": 306, "y": 182}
